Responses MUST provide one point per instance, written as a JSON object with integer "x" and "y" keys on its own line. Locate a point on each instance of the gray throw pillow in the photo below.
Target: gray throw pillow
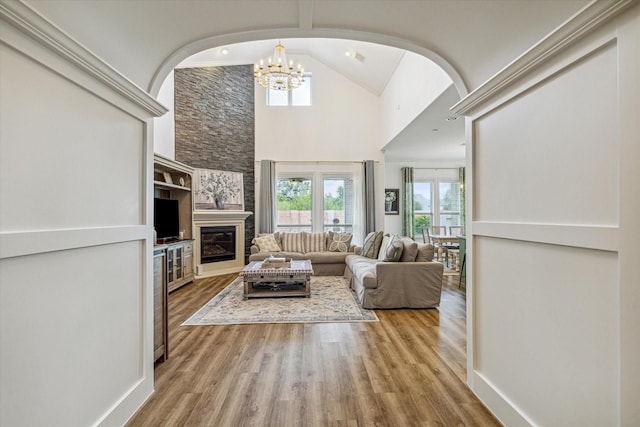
{"x": 371, "y": 245}
{"x": 425, "y": 253}
{"x": 409, "y": 251}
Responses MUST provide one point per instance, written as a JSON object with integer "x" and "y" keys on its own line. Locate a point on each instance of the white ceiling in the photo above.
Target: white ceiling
{"x": 370, "y": 66}
{"x": 372, "y": 70}
{"x": 144, "y": 40}
{"x": 435, "y": 135}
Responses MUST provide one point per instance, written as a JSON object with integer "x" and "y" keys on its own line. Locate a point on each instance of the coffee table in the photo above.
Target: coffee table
{"x": 293, "y": 281}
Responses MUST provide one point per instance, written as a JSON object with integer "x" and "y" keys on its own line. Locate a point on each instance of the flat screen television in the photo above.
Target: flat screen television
{"x": 165, "y": 218}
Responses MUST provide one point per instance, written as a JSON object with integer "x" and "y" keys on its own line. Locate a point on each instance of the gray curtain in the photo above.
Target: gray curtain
{"x": 369, "y": 198}
{"x": 463, "y": 189}
{"x": 267, "y": 199}
{"x": 407, "y": 202}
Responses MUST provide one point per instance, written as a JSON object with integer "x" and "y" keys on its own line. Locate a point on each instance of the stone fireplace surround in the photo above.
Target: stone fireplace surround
{"x": 215, "y": 219}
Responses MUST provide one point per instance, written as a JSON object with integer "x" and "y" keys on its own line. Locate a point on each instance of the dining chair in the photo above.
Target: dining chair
{"x": 439, "y": 229}
{"x": 426, "y": 237}
{"x": 456, "y": 230}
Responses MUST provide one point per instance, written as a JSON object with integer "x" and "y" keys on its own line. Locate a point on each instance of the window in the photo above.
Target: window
{"x": 422, "y": 207}
{"x": 338, "y": 204}
{"x": 300, "y": 97}
{"x": 436, "y": 200}
{"x": 449, "y": 206}
{"x": 315, "y": 201}
{"x": 294, "y": 204}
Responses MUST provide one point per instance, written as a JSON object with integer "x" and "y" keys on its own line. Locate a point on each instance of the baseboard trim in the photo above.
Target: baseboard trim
{"x": 501, "y": 407}
{"x": 128, "y": 405}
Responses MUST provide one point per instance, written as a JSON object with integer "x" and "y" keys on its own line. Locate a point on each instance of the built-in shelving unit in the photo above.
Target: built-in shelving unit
{"x": 172, "y": 261}
{"x": 173, "y": 180}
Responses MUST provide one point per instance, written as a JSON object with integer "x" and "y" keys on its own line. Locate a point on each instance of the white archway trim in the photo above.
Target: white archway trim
{"x": 584, "y": 21}
{"x": 210, "y": 42}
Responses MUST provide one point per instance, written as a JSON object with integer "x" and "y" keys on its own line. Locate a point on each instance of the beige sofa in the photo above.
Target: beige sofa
{"x": 303, "y": 245}
{"x": 409, "y": 279}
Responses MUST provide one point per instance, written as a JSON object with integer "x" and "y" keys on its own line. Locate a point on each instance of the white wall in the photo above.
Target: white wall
{"x": 342, "y": 124}
{"x": 415, "y": 84}
{"x": 164, "y": 128}
{"x": 553, "y": 271}
{"x": 75, "y": 323}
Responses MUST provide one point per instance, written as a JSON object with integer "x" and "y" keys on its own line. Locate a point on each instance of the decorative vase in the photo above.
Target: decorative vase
{"x": 219, "y": 203}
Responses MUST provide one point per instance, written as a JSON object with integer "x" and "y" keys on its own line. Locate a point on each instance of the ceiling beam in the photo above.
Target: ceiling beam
{"x": 305, "y": 14}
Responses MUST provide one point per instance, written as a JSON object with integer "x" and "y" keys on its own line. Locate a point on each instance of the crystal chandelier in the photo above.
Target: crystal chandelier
{"x": 278, "y": 74}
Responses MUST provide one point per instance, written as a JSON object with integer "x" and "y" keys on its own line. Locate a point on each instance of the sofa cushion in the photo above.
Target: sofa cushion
{"x": 326, "y": 257}
{"x": 267, "y": 243}
{"x": 315, "y": 242}
{"x": 425, "y": 252}
{"x": 364, "y": 269}
{"x": 392, "y": 250}
{"x": 409, "y": 250}
{"x": 293, "y": 242}
{"x": 339, "y": 242}
{"x": 371, "y": 245}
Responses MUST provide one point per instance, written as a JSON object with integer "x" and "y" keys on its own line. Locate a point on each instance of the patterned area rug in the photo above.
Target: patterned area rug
{"x": 331, "y": 301}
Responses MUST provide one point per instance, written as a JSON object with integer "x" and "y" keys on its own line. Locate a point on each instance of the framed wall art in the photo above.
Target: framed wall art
{"x": 218, "y": 190}
{"x": 391, "y": 201}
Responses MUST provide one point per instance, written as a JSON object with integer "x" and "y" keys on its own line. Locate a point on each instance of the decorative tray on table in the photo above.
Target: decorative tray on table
{"x": 273, "y": 262}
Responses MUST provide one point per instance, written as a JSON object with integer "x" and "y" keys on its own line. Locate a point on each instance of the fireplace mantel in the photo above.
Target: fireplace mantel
{"x": 219, "y": 215}
{"x": 203, "y": 219}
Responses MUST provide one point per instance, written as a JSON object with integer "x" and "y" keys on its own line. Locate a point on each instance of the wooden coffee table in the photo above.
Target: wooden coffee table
{"x": 293, "y": 281}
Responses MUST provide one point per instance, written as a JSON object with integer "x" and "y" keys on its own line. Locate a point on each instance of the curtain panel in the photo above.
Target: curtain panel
{"x": 407, "y": 202}
{"x": 463, "y": 189}
{"x": 369, "y": 197}
{"x": 267, "y": 200}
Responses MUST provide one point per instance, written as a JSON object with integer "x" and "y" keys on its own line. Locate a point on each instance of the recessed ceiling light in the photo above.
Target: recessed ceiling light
{"x": 348, "y": 53}
{"x": 224, "y": 51}
{"x": 435, "y": 130}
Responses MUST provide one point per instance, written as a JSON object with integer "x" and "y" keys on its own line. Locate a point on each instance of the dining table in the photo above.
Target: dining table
{"x": 442, "y": 239}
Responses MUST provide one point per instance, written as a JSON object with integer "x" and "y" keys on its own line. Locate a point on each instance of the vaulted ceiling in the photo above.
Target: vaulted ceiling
{"x": 471, "y": 40}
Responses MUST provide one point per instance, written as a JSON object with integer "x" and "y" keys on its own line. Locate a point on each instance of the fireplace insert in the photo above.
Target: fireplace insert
{"x": 217, "y": 244}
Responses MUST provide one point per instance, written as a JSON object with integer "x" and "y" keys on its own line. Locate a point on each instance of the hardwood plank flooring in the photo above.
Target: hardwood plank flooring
{"x": 406, "y": 370}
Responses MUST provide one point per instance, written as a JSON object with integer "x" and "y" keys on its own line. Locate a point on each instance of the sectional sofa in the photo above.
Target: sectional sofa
{"x": 386, "y": 272}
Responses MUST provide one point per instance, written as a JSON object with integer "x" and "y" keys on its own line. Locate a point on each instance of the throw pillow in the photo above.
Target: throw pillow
{"x": 425, "y": 252}
{"x": 393, "y": 251}
{"x": 371, "y": 245}
{"x": 315, "y": 242}
{"x": 386, "y": 239}
{"x": 340, "y": 242}
{"x": 293, "y": 242}
{"x": 409, "y": 250}
{"x": 267, "y": 243}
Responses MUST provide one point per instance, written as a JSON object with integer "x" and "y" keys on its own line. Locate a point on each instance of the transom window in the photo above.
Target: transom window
{"x": 299, "y": 97}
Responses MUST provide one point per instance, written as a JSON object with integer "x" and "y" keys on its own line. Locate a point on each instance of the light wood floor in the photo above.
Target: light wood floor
{"x": 406, "y": 370}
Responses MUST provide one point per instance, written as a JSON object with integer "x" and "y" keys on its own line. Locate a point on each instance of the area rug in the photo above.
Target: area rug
{"x": 331, "y": 301}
